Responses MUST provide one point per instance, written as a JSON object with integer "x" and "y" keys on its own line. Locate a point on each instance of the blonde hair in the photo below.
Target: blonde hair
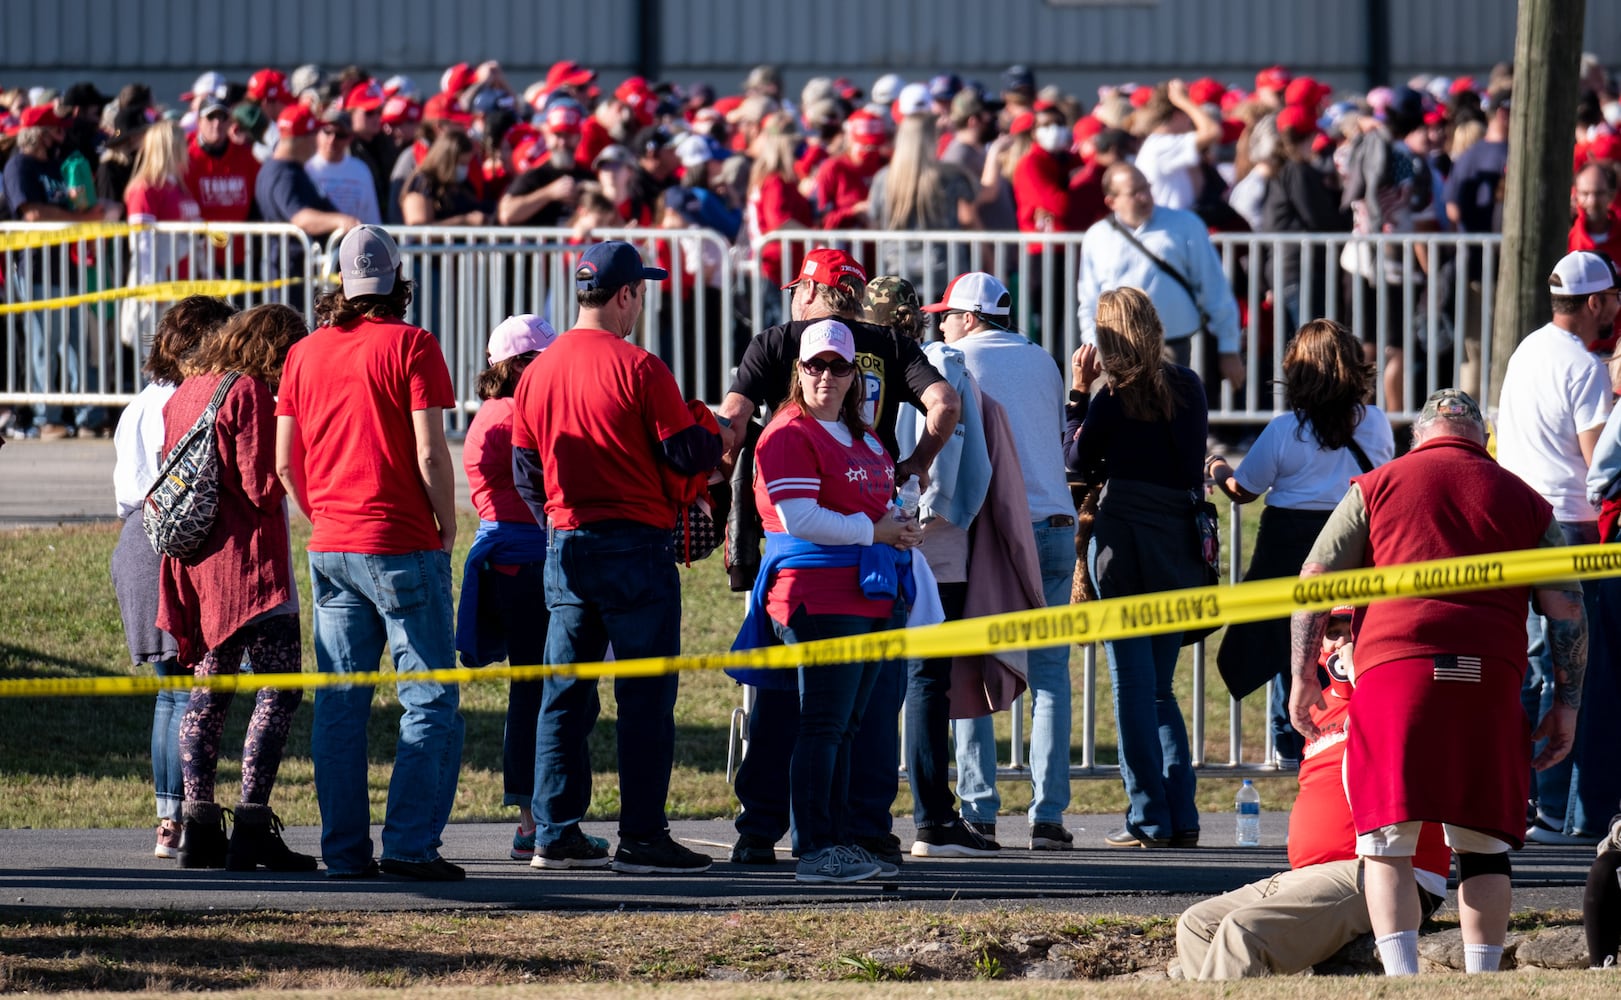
{"x": 774, "y": 150}
{"x": 914, "y": 174}
{"x": 1464, "y": 135}
{"x": 162, "y": 159}
{"x": 1131, "y": 346}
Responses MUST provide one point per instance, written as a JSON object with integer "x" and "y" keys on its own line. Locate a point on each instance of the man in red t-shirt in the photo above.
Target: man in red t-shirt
{"x": 1597, "y": 227}
{"x": 1284, "y": 924}
{"x": 221, "y": 175}
{"x": 599, "y": 432}
{"x": 360, "y": 444}
{"x": 1436, "y": 731}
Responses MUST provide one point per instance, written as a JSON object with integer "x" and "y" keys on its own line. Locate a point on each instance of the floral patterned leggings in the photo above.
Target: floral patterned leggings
{"x": 275, "y": 647}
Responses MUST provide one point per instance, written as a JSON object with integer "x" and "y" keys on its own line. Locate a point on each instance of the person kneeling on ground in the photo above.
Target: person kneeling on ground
{"x": 1289, "y": 922}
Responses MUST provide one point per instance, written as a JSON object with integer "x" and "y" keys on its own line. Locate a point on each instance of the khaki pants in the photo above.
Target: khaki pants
{"x": 1277, "y": 926}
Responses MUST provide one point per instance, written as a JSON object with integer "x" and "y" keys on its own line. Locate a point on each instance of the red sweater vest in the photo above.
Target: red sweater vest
{"x": 1447, "y": 498}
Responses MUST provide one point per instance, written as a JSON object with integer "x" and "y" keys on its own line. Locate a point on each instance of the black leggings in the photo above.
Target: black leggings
{"x": 1601, "y": 908}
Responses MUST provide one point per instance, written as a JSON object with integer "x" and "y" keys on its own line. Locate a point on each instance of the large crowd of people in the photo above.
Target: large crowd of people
{"x": 585, "y": 457}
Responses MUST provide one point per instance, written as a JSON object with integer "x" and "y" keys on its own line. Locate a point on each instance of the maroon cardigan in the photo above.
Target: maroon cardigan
{"x": 244, "y": 568}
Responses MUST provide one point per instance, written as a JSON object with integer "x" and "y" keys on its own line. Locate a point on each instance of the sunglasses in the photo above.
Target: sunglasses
{"x": 941, "y": 317}
{"x": 816, "y": 366}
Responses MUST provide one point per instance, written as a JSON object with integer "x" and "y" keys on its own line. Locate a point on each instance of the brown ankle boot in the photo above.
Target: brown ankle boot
{"x": 202, "y": 835}
{"x": 256, "y": 843}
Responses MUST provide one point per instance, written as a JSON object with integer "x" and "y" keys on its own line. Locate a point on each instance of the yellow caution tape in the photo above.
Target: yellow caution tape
{"x": 38, "y": 239}
{"x": 163, "y": 291}
{"x": 1094, "y": 621}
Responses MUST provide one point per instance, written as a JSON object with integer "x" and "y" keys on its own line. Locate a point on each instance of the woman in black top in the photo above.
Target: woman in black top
{"x": 438, "y": 194}
{"x": 1143, "y": 438}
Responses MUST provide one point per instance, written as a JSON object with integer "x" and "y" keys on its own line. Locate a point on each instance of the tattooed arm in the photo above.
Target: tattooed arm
{"x": 1567, "y": 645}
{"x": 1306, "y": 630}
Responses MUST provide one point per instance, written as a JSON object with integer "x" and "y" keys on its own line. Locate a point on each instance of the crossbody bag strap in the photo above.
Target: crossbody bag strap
{"x": 1163, "y": 265}
{"x": 1362, "y": 459}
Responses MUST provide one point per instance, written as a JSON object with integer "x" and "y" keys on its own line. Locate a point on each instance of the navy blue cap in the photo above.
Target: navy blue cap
{"x": 612, "y": 266}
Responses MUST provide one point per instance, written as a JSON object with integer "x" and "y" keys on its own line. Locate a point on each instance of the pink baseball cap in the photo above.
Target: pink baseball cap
{"x": 521, "y": 334}
{"x": 827, "y": 336}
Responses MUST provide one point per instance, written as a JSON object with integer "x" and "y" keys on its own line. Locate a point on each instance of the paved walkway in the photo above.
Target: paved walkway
{"x": 114, "y": 869}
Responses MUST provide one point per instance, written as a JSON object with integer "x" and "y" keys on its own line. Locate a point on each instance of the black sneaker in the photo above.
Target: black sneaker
{"x": 1187, "y": 838}
{"x": 1051, "y": 837}
{"x": 437, "y": 870}
{"x": 573, "y": 850}
{"x": 659, "y": 856}
{"x": 886, "y": 849}
{"x": 956, "y": 839}
{"x": 752, "y": 849}
{"x": 986, "y": 830}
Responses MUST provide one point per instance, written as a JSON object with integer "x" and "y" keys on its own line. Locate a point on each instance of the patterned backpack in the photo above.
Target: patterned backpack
{"x": 183, "y": 501}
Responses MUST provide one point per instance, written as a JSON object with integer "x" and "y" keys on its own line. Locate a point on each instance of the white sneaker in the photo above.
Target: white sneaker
{"x": 834, "y": 864}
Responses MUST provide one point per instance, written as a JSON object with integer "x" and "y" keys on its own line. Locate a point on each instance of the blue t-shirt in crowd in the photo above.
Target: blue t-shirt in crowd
{"x": 37, "y": 182}
{"x": 281, "y": 192}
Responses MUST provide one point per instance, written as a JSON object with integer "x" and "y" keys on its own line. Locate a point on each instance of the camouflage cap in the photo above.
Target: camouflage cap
{"x": 892, "y": 301}
{"x": 1451, "y": 404}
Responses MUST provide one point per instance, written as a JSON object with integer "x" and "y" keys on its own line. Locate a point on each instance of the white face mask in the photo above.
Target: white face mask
{"x": 1053, "y": 138}
{"x": 461, "y": 175}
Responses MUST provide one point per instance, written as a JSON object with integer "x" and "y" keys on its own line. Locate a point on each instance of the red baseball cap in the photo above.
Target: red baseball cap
{"x": 1462, "y": 85}
{"x": 364, "y": 96}
{"x": 568, "y": 73}
{"x": 563, "y": 119}
{"x": 636, "y": 95}
{"x": 1141, "y": 96}
{"x": 1306, "y": 93}
{"x": 1023, "y": 122}
{"x": 442, "y": 108}
{"x": 43, "y": 116}
{"x": 825, "y": 266}
{"x": 867, "y": 127}
{"x": 401, "y": 110}
{"x": 457, "y": 79}
{"x": 1206, "y": 91}
{"x": 268, "y": 85}
{"x": 1272, "y": 78}
{"x": 1297, "y": 120}
{"x": 1086, "y": 127}
{"x": 1231, "y": 100}
{"x": 295, "y": 121}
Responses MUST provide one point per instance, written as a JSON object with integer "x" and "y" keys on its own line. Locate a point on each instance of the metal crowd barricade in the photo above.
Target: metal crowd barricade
{"x": 89, "y": 351}
{"x": 469, "y": 278}
{"x": 1432, "y": 303}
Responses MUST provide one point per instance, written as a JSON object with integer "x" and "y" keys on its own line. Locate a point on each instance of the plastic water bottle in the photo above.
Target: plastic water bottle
{"x": 1249, "y": 816}
{"x": 908, "y": 499}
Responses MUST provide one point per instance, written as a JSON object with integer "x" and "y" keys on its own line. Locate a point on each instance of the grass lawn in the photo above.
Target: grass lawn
{"x": 77, "y": 762}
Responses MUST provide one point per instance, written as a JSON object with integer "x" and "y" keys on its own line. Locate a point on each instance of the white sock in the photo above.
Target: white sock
{"x": 1399, "y": 952}
{"x": 1482, "y": 957}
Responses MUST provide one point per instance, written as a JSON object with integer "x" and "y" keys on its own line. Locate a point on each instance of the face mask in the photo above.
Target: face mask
{"x": 1053, "y": 138}
{"x": 461, "y": 175}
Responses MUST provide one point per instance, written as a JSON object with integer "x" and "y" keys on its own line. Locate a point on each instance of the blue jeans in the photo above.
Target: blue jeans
{"x": 1049, "y": 709}
{"x": 54, "y": 343}
{"x": 167, "y": 711}
{"x": 1551, "y": 788}
{"x": 832, "y": 700}
{"x": 363, "y": 602}
{"x": 611, "y": 582}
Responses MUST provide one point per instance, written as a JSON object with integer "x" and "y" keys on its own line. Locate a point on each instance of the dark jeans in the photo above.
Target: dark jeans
{"x": 521, "y": 602}
{"x": 762, "y": 779}
{"x": 832, "y": 700}
{"x": 928, "y": 726}
{"x": 612, "y": 582}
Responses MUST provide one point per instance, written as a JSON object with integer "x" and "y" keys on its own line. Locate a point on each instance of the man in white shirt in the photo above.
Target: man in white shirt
{"x": 1025, "y": 379}
{"x": 1552, "y": 408}
{"x": 1169, "y": 155}
{"x": 345, "y": 181}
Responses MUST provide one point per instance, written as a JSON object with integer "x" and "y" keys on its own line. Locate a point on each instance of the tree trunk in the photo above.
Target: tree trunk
{"x": 1536, "y": 210}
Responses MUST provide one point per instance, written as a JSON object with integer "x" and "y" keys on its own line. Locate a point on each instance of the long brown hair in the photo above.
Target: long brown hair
{"x": 849, "y": 411}
{"x": 1131, "y": 346}
{"x": 337, "y": 309}
{"x": 439, "y": 163}
{"x": 186, "y": 324}
{"x": 500, "y": 380}
{"x": 1326, "y": 382}
{"x": 253, "y": 343}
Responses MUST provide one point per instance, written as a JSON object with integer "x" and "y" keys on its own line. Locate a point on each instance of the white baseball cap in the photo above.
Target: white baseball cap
{"x": 520, "y": 334}
{"x": 975, "y": 292}
{"x": 886, "y": 88}
{"x": 1581, "y": 273}
{"x": 914, "y": 99}
{"x": 824, "y": 336}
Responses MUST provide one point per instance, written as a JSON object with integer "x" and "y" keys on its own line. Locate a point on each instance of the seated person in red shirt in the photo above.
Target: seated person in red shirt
{"x": 1287, "y": 923}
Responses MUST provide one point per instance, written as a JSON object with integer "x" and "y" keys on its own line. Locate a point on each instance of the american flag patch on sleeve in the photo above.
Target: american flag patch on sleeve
{"x": 1458, "y": 668}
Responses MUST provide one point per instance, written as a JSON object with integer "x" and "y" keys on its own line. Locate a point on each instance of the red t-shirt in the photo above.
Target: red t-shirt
{"x": 487, "y": 459}
{"x": 594, "y": 138}
{"x": 352, "y": 390}
{"x": 796, "y": 459}
{"x": 778, "y": 202}
{"x": 596, "y": 408}
{"x": 169, "y": 203}
{"x": 841, "y": 185}
{"x": 1581, "y": 238}
{"x": 223, "y": 184}
{"x": 1041, "y": 183}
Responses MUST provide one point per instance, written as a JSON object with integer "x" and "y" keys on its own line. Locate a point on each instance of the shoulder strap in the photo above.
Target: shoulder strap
{"x": 1163, "y": 265}
{"x": 1362, "y": 459}
{"x": 218, "y": 399}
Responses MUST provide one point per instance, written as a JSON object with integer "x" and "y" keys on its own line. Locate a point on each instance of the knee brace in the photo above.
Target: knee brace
{"x": 1471, "y": 865}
